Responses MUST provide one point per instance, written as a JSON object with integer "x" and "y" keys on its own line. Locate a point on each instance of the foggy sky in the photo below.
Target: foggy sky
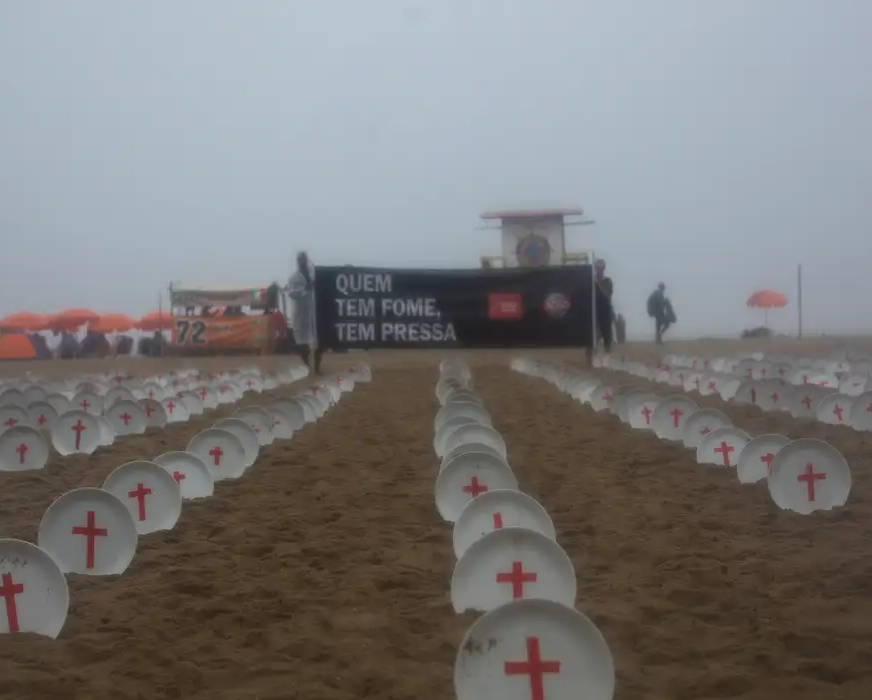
{"x": 716, "y": 144}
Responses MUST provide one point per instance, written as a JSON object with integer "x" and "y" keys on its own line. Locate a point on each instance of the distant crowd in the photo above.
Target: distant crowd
{"x": 69, "y": 346}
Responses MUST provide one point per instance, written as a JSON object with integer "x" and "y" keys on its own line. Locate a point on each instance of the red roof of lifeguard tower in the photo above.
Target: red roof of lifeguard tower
{"x": 531, "y": 213}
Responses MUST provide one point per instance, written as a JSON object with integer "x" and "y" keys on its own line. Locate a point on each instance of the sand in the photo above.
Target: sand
{"x": 324, "y": 572}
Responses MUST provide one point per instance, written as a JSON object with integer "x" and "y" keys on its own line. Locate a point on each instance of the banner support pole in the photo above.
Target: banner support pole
{"x": 593, "y": 323}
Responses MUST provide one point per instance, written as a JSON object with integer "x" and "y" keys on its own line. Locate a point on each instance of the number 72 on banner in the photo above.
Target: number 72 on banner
{"x": 190, "y": 332}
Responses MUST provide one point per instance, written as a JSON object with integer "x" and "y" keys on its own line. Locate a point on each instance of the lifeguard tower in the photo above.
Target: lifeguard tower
{"x": 534, "y": 238}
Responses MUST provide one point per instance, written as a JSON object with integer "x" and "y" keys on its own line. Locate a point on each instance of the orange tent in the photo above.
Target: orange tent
{"x": 155, "y": 321}
{"x": 16, "y": 346}
{"x": 72, "y": 319}
{"x": 112, "y": 323}
{"x": 23, "y": 321}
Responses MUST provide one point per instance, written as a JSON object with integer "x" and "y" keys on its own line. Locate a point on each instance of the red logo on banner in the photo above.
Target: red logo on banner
{"x": 505, "y": 306}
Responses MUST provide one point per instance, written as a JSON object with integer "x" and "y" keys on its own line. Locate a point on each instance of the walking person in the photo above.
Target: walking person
{"x": 301, "y": 288}
{"x": 660, "y": 309}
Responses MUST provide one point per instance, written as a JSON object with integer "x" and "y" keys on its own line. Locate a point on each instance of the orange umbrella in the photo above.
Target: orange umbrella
{"x": 155, "y": 321}
{"x": 112, "y": 323}
{"x": 72, "y": 319}
{"x": 23, "y": 321}
{"x": 767, "y": 299}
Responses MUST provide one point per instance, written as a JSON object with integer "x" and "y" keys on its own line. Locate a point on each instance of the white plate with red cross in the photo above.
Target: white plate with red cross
{"x": 251, "y": 382}
{"x": 310, "y": 405}
{"x": 861, "y": 412}
{"x": 747, "y": 391}
{"x": 59, "y": 403}
{"x": 640, "y": 410}
{"x": 453, "y": 380}
{"x": 293, "y": 409}
{"x": 282, "y": 425}
{"x": 773, "y": 395}
{"x": 453, "y": 388}
{"x": 89, "y": 531}
{"x": 809, "y": 475}
{"x": 192, "y": 401}
{"x": 584, "y": 389}
{"x": 494, "y": 510}
{"x": 467, "y": 448}
{"x": 670, "y": 417}
{"x": 246, "y": 436}
{"x": 702, "y": 422}
{"x": 221, "y": 452}
{"x": 475, "y": 432}
{"x": 155, "y": 415}
{"x": 207, "y": 396}
{"x": 509, "y": 564}
{"x": 623, "y": 395}
{"x": 602, "y": 397}
{"x": 88, "y": 401}
{"x": 76, "y": 432}
{"x": 12, "y": 397}
{"x": 229, "y": 392}
{"x": 34, "y": 596}
{"x": 803, "y": 403}
{"x": 107, "y": 432}
{"x": 316, "y": 400}
{"x": 360, "y": 372}
{"x": 34, "y": 392}
{"x": 468, "y": 476}
{"x": 259, "y": 420}
{"x": 126, "y": 417}
{"x": 42, "y": 415}
{"x": 710, "y": 384}
{"x": 150, "y": 493}
{"x": 116, "y": 394}
{"x": 153, "y": 391}
{"x": 22, "y": 448}
{"x": 722, "y": 447}
{"x": 461, "y": 409}
{"x": 12, "y": 416}
{"x": 835, "y": 409}
{"x": 442, "y": 434}
{"x": 462, "y": 396}
{"x": 756, "y": 457}
{"x": 534, "y": 649}
{"x": 457, "y": 409}
{"x": 190, "y": 473}
{"x": 175, "y": 409}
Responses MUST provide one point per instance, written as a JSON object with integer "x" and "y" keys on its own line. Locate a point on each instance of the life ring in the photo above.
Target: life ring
{"x": 533, "y": 251}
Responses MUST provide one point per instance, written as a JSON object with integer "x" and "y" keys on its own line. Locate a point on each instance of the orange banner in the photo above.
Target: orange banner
{"x": 221, "y": 332}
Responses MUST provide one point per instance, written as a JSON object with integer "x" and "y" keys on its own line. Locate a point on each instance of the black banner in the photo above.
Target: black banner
{"x": 508, "y": 307}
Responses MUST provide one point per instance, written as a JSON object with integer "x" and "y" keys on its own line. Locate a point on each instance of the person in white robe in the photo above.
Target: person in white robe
{"x": 301, "y": 288}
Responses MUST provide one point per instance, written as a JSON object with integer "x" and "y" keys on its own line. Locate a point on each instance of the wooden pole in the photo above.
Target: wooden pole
{"x": 799, "y": 299}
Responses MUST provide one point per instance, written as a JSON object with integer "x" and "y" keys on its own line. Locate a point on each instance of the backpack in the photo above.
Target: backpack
{"x": 652, "y": 304}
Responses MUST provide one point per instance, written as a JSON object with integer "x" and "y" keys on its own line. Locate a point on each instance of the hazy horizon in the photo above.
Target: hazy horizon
{"x": 716, "y": 145}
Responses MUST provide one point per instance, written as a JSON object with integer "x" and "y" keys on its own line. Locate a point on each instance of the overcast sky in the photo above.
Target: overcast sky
{"x": 717, "y": 144}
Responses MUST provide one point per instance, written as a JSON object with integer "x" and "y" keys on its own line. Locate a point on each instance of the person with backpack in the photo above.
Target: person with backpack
{"x": 660, "y": 309}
